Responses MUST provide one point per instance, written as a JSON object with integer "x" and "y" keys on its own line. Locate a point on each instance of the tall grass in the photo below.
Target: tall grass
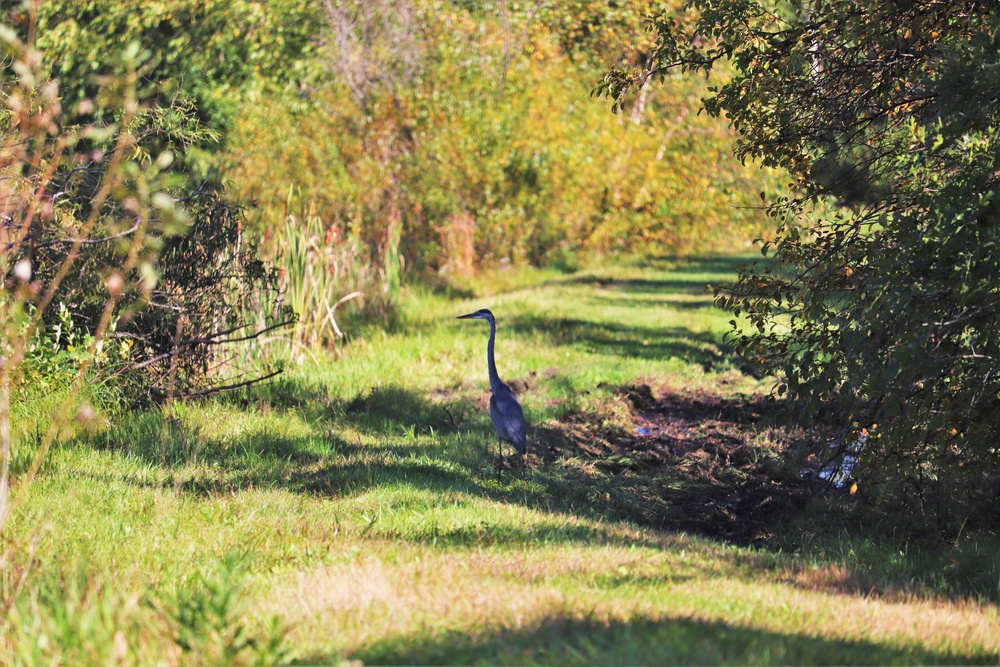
{"x": 327, "y": 275}
{"x": 77, "y": 618}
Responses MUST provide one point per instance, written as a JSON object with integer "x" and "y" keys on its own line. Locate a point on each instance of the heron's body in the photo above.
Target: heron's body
{"x": 508, "y": 418}
{"x": 505, "y": 410}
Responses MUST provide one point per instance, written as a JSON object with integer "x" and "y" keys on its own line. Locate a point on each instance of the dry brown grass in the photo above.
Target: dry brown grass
{"x": 392, "y": 593}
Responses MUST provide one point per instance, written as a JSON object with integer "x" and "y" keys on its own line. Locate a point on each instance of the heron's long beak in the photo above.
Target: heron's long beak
{"x": 466, "y": 317}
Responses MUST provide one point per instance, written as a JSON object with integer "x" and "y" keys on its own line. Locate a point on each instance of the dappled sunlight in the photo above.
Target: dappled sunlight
{"x": 380, "y": 526}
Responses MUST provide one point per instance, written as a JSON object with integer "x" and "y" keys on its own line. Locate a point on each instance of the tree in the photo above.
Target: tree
{"x": 882, "y": 297}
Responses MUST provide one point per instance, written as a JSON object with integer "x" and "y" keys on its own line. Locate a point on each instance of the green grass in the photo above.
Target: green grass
{"x": 352, "y": 511}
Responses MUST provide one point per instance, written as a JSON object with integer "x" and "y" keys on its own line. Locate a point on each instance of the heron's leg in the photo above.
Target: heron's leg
{"x": 499, "y": 459}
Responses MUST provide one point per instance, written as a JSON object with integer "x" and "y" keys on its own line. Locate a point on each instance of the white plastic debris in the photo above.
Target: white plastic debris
{"x": 839, "y": 474}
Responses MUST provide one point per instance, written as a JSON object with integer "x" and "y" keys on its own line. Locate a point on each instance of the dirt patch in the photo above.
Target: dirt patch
{"x": 695, "y": 461}
{"x": 522, "y": 385}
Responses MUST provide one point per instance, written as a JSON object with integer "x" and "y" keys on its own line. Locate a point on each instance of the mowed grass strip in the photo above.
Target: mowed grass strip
{"x": 362, "y": 499}
{"x": 680, "y": 604}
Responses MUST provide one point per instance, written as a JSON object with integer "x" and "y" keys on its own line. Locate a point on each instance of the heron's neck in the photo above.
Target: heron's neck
{"x": 494, "y": 377}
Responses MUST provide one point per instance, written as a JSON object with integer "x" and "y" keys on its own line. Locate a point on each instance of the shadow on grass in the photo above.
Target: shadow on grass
{"x": 700, "y": 478}
{"x": 486, "y": 534}
{"x": 720, "y": 264}
{"x": 622, "y": 340}
{"x": 692, "y": 470}
{"x": 326, "y": 464}
{"x": 687, "y": 276}
{"x": 381, "y": 410}
{"x": 695, "y": 285}
{"x": 435, "y": 446}
{"x": 633, "y": 338}
{"x": 563, "y": 640}
{"x": 671, "y": 302}
{"x": 394, "y": 438}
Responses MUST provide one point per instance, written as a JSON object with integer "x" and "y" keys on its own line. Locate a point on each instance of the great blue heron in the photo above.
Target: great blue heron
{"x": 505, "y": 411}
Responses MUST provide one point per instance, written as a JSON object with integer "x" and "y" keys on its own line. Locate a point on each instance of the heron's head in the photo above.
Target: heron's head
{"x": 482, "y": 314}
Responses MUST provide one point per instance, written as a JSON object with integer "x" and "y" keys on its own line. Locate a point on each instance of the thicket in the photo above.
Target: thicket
{"x": 436, "y": 137}
{"x": 105, "y": 153}
{"x": 882, "y": 301}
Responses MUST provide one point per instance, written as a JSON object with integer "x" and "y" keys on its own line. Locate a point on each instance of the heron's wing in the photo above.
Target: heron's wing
{"x": 508, "y": 417}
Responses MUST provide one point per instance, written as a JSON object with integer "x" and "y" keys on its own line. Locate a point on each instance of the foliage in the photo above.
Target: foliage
{"x": 53, "y": 357}
{"x": 478, "y": 145}
{"x": 200, "y": 53}
{"x": 114, "y": 181}
{"x": 883, "y": 300}
{"x": 603, "y": 32}
{"x": 211, "y": 619}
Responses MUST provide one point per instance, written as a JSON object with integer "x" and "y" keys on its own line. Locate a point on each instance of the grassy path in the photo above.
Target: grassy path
{"x": 356, "y": 502}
